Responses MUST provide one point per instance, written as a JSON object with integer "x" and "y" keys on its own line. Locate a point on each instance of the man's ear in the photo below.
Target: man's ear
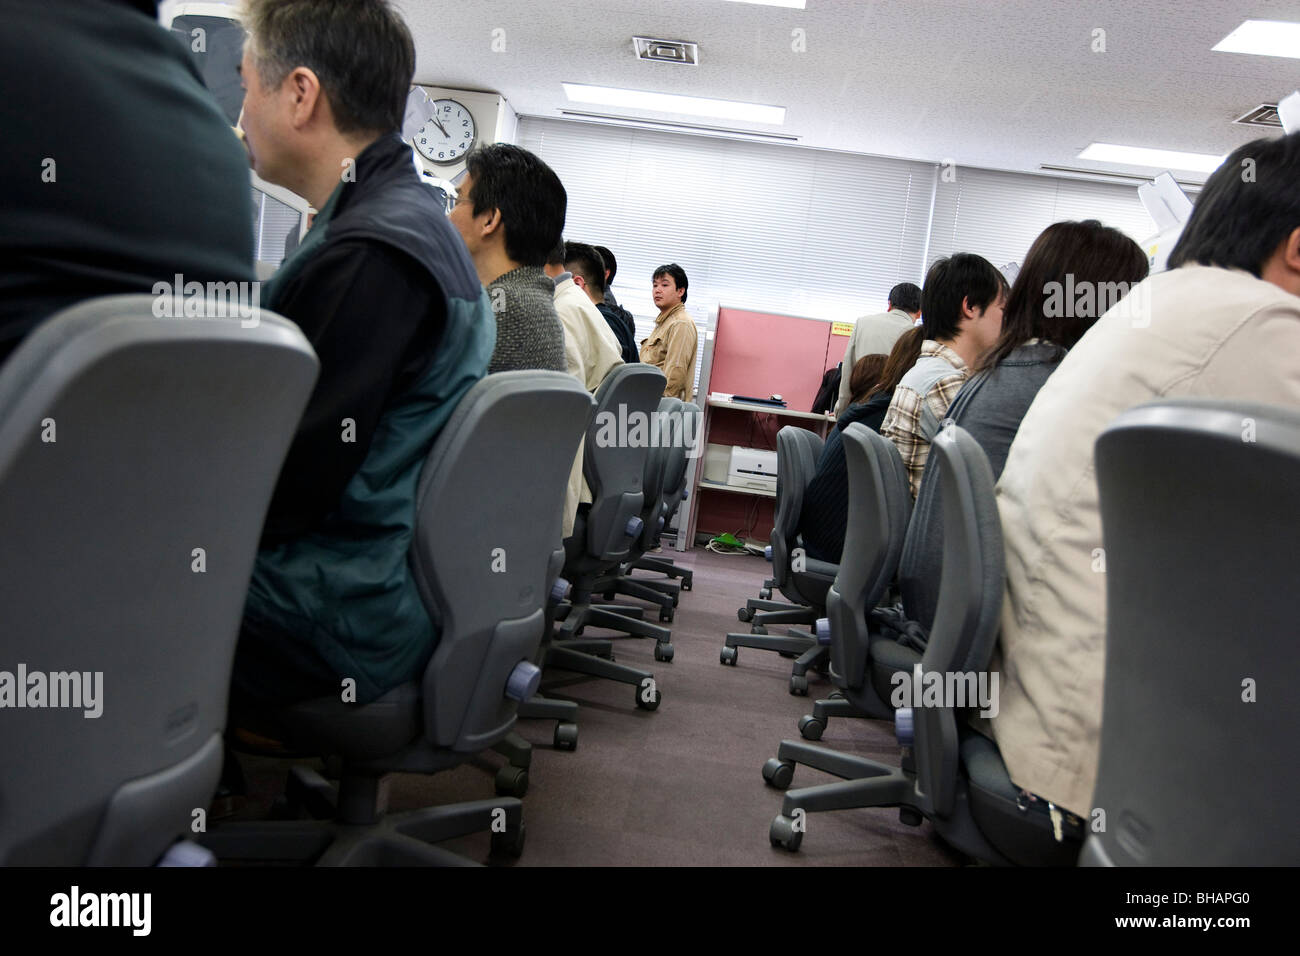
{"x": 579, "y": 281}
{"x": 305, "y": 96}
{"x": 1291, "y": 250}
{"x": 491, "y": 222}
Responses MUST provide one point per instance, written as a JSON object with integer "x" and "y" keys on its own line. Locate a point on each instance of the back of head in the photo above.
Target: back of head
{"x": 676, "y": 273}
{"x": 901, "y": 359}
{"x": 866, "y": 373}
{"x": 1072, "y": 274}
{"x": 964, "y": 276}
{"x": 583, "y": 260}
{"x": 905, "y": 296}
{"x": 611, "y": 263}
{"x": 360, "y": 50}
{"x": 555, "y": 257}
{"x": 1248, "y": 207}
{"x": 527, "y": 193}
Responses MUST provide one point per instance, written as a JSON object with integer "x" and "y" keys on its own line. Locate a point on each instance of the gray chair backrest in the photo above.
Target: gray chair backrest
{"x": 127, "y": 444}
{"x": 490, "y": 506}
{"x": 614, "y": 458}
{"x": 664, "y": 437}
{"x": 970, "y": 602}
{"x": 1199, "y": 506}
{"x": 880, "y": 505}
{"x": 792, "y": 478}
{"x": 682, "y": 427}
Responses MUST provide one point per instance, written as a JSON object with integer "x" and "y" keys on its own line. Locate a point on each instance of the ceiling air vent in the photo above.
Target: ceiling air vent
{"x": 1263, "y": 115}
{"x": 666, "y": 51}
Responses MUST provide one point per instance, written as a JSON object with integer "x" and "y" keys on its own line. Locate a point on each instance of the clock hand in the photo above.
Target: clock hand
{"x": 440, "y": 126}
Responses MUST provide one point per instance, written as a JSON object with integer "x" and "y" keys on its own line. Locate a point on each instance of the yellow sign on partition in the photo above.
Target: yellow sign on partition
{"x": 842, "y": 328}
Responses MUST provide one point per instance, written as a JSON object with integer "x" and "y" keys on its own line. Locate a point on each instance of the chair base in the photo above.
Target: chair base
{"x": 356, "y": 834}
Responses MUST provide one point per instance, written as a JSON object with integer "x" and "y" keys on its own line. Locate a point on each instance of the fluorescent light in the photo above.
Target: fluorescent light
{"x": 674, "y": 103}
{"x": 1155, "y": 158}
{"x": 1263, "y": 38}
{"x": 792, "y": 4}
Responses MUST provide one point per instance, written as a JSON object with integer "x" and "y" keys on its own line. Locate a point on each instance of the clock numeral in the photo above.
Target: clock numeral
{"x": 466, "y": 123}
{"x": 424, "y": 140}
{"x": 463, "y": 145}
{"x": 441, "y": 154}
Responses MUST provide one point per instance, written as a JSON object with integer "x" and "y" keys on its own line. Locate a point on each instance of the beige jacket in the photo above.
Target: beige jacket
{"x": 872, "y": 335}
{"x": 590, "y": 351}
{"x": 1192, "y": 332}
{"x": 671, "y": 347}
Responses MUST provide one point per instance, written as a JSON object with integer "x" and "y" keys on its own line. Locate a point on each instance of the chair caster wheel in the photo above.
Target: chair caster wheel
{"x": 745, "y": 614}
{"x": 758, "y": 629}
{"x": 666, "y": 615}
{"x": 810, "y": 727}
{"x": 509, "y": 842}
{"x": 783, "y": 833}
{"x": 609, "y": 595}
{"x": 798, "y": 685}
{"x": 675, "y": 599}
{"x": 663, "y": 652}
{"x": 910, "y": 815}
{"x": 578, "y": 631}
{"x": 765, "y": 594}
{"x": 566, "y": 736}
{"x": 648, "y": 698}
{"x": 511, "y": 781}
{"x": 728, "y": 656}
{"x": 778, "y": 773}
{"x": 687, "y": 585}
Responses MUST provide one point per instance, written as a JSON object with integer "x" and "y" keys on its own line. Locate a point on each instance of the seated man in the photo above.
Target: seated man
{"x": 585, "y": 265}
{"x": 962, "y": 301}
{"x": 510, "y": 215}
{"x": 670, "y": 346}
{"x": 876, "y": 334}
{"x": 590, "y": 352}
{"x": 1224, "y": 323}
{"x": 383, "y": 289}
{"x": 119, "y": 170}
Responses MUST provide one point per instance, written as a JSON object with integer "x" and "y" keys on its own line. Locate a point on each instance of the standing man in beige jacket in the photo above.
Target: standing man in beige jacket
{"x": 671, "y": 345}
{"x": 1223, "y": 322}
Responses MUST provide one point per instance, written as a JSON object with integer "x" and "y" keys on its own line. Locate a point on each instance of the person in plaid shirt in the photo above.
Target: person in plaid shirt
{"x": 962, "y": 304}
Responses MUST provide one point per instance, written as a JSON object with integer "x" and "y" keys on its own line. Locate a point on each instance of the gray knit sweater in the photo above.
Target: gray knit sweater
{"x": 529, "y": 333}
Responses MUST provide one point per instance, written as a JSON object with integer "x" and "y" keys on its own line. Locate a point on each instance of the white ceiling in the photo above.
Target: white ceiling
{"x": 1001, "y": 84}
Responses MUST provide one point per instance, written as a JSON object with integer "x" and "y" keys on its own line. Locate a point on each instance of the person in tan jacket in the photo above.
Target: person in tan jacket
{"x": 1223, "y": 322}
{"x": 671, "y": 345}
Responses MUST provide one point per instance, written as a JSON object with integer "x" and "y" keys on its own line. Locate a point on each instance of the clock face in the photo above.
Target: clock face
{"x": 448, "y": 136}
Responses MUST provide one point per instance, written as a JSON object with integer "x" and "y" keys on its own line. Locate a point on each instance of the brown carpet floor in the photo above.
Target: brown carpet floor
{"x": 680, "y": 786}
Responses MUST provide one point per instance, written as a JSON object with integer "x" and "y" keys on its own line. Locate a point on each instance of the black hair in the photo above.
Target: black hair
{"x": 1066, "y": 256}
{"x": 949, "y": 281}
{"x": 611, "y": 264}
{"x": 676, "y": 273}
{"x": 1248, "y": 206}
{"x": 905, "y": 296}
{"x": 583, "y": 260}
{"x": 556, "y": 256}
{"x": 527, "y": 193}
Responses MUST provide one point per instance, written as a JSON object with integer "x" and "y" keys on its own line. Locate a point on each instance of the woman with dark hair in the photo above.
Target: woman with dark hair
{"x": 1073, "y": 273}
{"x": 825, "y": 514}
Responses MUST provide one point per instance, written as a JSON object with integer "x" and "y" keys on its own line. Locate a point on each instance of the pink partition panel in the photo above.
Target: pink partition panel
{"x": 761, "y": 354}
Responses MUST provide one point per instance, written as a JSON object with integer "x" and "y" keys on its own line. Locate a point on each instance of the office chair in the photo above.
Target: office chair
{"x": 1198, "y": 506}
{"x": 137, "y": 459}
{"x": 674, "y": 493}
{"x": 487, "y": 538}
{"x": 666, "y": 444}
{"x": 950, "y": 774}
{"x": 604, "y": 532}
{"x": 803, "y": 579}
{"x": 863, "y": 662}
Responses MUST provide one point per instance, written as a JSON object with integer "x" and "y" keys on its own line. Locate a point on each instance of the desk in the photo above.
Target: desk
{"x": 726, "y": 507}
